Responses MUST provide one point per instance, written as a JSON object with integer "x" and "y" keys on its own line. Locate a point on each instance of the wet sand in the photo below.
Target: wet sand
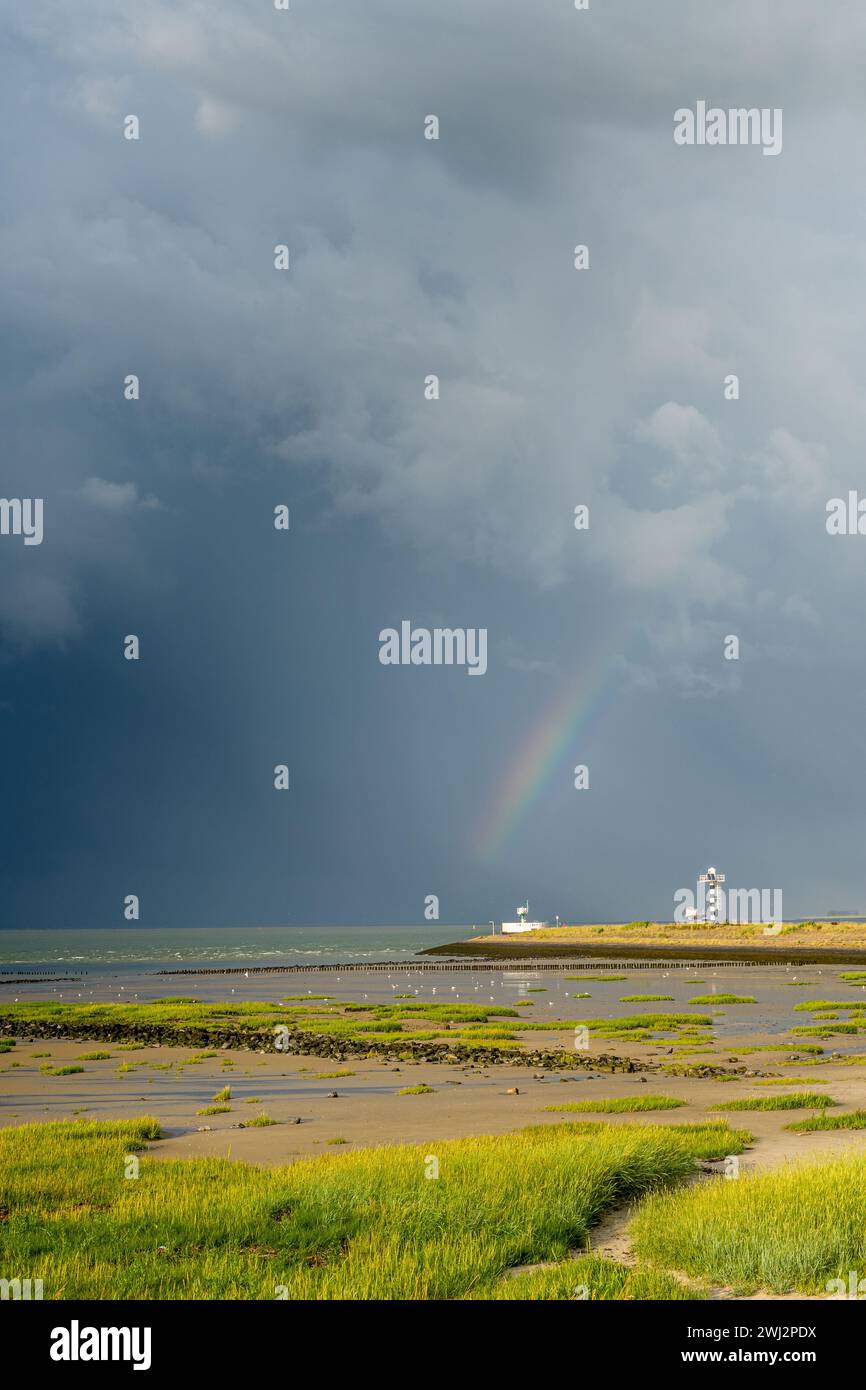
{"x": 368, "y": 1109}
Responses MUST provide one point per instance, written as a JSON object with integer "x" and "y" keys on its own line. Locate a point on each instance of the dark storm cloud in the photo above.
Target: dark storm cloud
{"x": 601, "y": 387}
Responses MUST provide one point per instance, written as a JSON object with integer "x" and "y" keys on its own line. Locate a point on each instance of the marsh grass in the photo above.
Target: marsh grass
{"x": 790, "y": 1229}
{"x": 183, "y": 1022}
{"x": 415, "y": 1091}
{"x": 854, "y": 1119}
{"x": 635, "y": 1026}
{"x": 792, "y": 1081}
{"x": 821, "y": 1005}
{"x": 591, "y": 1278}
{"x": 800, "y": 1100}
{"x": 722, "y": 999}
{"x": 826, "y": 1030}
{"x": 60, "y": 1071}
{"x": 215, "y": 1110}
{"x": 619, "y": 1105}
{"x": 606, "y": 978}
{"x": 811, "y": 1048}
{"x": 645, "y": 998}
{"x": 94, "y": 1057}
{"x": 366, "y": 1224}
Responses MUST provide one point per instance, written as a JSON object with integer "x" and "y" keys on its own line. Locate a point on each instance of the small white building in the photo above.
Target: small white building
{"x": 521, "y": 924}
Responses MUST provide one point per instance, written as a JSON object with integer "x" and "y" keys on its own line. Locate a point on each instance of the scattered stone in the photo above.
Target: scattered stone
{"x": 333, "y": 1095}
{"x": 513, "y": 1091}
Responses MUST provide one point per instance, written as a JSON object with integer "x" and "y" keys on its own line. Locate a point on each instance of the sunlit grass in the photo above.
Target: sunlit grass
{"x": 366, "y": 1224}
{"x": 644, "y": 998}
{"x": 800, "y": 1100}
{"x": 854, "y": 1119}
{"x": 619, "y": 1104}
{"x": 722, "y": 999}
{"x": 793, "y": 1228}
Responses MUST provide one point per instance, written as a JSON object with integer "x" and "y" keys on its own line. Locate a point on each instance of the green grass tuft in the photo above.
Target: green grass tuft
{"x": 644, "y": 998}
{"x": 722, "y": 999}
{"x": 800, "y": 1100}
{"x": 619, "y": 1105}
{"x": 854, "y": 1119}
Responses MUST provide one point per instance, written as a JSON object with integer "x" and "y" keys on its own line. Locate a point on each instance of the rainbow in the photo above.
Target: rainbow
{"x": 551, "y": 745}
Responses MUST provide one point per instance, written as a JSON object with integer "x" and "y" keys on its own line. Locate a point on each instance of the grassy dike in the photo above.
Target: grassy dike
{"x": 803, "y": 942}
{"x": 443, "y": 1221}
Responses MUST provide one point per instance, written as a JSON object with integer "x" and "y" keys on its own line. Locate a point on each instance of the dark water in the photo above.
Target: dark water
{"x": 158, "y": 947}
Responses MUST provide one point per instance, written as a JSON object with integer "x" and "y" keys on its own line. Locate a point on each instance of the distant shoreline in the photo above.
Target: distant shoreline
{"x": 487, "y": 949}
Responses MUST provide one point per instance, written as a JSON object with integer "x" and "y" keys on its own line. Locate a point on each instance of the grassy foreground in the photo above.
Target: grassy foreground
{"x": 389, "y": 1223}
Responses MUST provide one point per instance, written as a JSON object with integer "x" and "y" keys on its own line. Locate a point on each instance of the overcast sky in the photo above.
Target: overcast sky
{"x": 558, "y": 387}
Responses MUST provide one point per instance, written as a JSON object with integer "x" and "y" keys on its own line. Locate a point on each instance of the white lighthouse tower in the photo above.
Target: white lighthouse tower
{"x": 712, "y": 879}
